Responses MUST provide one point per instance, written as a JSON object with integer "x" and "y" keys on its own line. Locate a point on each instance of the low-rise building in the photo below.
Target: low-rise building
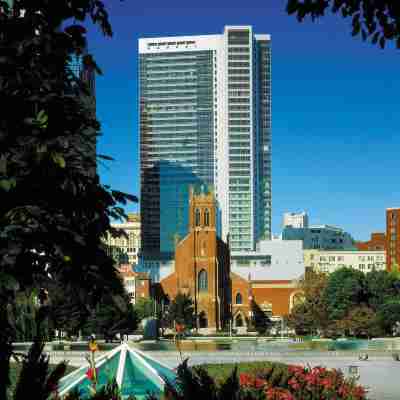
{"x": 324, "y": 237}
{"x": 377, "y": 242}
{"x": 137, "y": 284}
{"x": 393, "y": 238}
{"x": 125, "y": 249}
{"x": 330, "y": 261}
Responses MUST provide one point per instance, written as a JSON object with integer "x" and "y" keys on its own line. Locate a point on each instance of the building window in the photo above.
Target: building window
{"x": 239, "y": 299}
{"x": 203, "y": 284}
{"x": 197, "y": 217}
{"x": 206, "y": 217}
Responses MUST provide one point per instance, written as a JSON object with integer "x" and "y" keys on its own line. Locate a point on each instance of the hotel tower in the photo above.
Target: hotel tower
{"x": 205, "y": 123}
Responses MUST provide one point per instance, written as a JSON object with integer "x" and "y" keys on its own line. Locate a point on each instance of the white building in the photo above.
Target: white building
{"x": 273, "y": 260}
{"x": 205, "y": 120}
{"x": 295, "y": 220}
{"x": 125, "y": 249}
{"x": 330, "y": 260}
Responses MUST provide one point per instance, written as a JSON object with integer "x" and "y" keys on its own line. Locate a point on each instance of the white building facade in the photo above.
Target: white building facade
{"x": 272, "y": 260}
{"x": 330, "y": 261}
{"x": 295, "y": 220}
{"x": 205, "y": 119}
{"x": 125, "y": 249}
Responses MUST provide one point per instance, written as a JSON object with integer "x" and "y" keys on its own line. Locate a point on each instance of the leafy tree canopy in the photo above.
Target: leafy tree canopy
{"x": 53, "y": 210}
{"x": 377, "y": 21}
{"x": 181, "y": 311}
{"x": 144, "y": 307}
{"x": 380, "y": 285}
{"x": 389, "y": 314}
{"x": 361, "y": 321}
{"x": 344, "y": 290}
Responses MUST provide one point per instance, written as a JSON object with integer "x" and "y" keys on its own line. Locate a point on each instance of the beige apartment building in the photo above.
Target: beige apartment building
{"x": 331, "y": 260}
{"x": 123, "y": 249}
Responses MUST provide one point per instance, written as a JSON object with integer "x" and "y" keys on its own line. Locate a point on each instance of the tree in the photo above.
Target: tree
{"x": 111, "y": 317}
{"x": 380, "y": 285}
{"x": 181, "y": 311}
{"x": 344, "y": 290}
{"x": 389, "y": 314}
{"x": 310, "y": 315}
{"x": 302, "y": 320}
{"x": 377, "y": 21}
{"x": 261, "y": 322}
{"x": 144, "y": 308}
{"x": 53, "y": 211}
{"x": 68, "y": 315}
{"x": 361, "y": 321}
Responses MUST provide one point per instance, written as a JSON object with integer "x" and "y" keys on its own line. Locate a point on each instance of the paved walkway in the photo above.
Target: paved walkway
{"x": 381, "y": 374}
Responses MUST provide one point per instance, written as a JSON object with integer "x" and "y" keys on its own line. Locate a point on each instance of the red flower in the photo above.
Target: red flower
{"x": 359, "y": 392}
{"x": 91, "y": 374}
{"x": 278, "y": 394}
{"x": 245, "y": 380}
{"x": 327, "y": 383}
{"x": 259, "y": 383}
{"x": 294, "y": 384}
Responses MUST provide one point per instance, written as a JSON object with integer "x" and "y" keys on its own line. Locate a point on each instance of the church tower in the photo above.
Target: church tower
{"x": 202, "y": 264}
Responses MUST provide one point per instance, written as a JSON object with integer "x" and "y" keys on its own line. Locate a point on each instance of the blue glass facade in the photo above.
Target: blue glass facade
{"x": 176, "y": 142}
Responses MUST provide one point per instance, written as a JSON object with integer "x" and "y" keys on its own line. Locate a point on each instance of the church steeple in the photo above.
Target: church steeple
{"x": 202, "y": 211}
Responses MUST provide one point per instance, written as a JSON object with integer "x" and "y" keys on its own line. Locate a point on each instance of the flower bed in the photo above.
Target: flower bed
{"x": 300, "y": 383}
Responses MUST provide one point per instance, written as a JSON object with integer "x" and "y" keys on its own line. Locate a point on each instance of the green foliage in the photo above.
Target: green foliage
{"x": 261, "y": 321}
{"x": 144, "y": 308}
{"x": 180, "y": 311}
{"x": 376, "y": 21}
{"x": 53, "y": 211}
{"x": 112, "y": 316}
{"x": 347, "y": 302}
{"x": 380, "y": 286}
{"x": 197, "y": 383}
{"x": 345, "y": 290}
{"x": 310, "y": 315}
{"x": 35, "y": 380}
{"x": 389, "y": 314}
{"x": 361, "y": 321}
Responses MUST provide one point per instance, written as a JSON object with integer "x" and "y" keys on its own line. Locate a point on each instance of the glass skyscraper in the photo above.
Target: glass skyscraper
{"x": 205, "y": 122}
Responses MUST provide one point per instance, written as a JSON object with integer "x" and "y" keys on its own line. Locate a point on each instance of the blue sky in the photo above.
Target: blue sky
{"x": 335, "y": 104}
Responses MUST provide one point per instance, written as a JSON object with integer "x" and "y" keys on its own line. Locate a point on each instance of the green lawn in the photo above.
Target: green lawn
{"x": 222, "y": 371}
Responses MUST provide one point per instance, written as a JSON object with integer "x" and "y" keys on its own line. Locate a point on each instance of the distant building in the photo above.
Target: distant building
{"x": 324, "y": 237}
{"x": 393, "y": 238}
{"x": 330, "y": 261}
{"x": 137, "y": 285}
{"x": 376, "y": 243}
{"x": 125, "y": 249}
{"x": 295, "y": 220}
{"x": 272, "y": 260}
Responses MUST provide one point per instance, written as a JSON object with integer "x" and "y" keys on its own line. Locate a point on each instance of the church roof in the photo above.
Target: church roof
{"x": 136, "y": 373}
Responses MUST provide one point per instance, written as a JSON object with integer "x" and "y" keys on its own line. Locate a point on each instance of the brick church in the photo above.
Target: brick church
{"x": 202, "y": 266}
{"x": 202, "y": 270}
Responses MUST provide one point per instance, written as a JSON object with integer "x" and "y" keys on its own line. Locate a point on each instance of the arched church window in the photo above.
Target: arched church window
{"x": 197, "y": 217}
{"x": 239, "y": 299}
{"x": 202, "y": 280}
{"x": 206, "y": 217}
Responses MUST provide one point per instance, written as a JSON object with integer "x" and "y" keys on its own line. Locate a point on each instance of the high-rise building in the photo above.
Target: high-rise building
{"x": 392, "y": 239}
{"x": 205, "y": 121}
{"x": 295, "y": 220}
